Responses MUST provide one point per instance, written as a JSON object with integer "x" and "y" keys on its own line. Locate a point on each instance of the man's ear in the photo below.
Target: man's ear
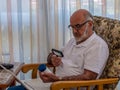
{"x": 90, "y": 23}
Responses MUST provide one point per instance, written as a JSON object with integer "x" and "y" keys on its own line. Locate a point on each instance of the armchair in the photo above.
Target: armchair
{"x": 109, "y": 30}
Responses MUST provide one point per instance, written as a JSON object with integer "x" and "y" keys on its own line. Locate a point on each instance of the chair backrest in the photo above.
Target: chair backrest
{"x": 109, "y": 30}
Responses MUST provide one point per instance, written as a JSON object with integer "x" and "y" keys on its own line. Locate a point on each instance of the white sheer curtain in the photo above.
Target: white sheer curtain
{"x": 29, "y": 29}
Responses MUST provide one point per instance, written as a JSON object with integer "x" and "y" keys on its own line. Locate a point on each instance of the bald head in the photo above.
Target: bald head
{"x": 81, "y": 15}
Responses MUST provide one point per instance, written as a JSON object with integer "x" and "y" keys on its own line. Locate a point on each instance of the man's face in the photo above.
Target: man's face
{"x": 79, "y": 28}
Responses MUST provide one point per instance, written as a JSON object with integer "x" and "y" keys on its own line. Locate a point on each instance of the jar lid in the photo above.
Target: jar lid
{"x": 42, "y": 67}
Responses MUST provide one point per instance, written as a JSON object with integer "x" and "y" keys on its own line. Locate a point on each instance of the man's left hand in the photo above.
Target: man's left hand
{"x": 48, "y": 77}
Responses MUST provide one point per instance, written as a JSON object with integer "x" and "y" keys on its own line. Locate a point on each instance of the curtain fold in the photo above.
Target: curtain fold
{"x": 29, "y": 29}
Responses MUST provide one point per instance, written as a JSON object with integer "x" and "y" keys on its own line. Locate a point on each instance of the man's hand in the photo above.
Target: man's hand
{"x": 56, "y": 61}
{"x": 48, "y": 77}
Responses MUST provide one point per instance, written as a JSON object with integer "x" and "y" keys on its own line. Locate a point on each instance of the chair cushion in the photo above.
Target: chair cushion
{"x": 109, "y": 30}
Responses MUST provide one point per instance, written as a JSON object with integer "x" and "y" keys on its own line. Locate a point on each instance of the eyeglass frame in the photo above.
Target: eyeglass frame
{"x": 76, "y": 27}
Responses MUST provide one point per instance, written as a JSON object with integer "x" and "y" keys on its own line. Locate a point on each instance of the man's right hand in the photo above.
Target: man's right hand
{"x": 56, "y": 61}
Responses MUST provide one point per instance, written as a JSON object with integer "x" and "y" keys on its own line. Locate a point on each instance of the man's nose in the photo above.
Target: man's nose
{"x": 74, "y": 30}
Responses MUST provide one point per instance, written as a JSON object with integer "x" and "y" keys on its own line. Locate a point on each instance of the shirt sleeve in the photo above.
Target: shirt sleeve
{"x": 96, "y": 58}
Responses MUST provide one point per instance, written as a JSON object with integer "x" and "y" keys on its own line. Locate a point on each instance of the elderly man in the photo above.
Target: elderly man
{"x": 85, "y": 55}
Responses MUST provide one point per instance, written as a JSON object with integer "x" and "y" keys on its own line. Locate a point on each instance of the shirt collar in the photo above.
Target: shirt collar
{"x": 86, "y": 42}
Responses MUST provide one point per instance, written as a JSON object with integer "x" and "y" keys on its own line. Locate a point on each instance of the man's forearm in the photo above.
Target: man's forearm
{"x": 87, "y": 75}
{"x": 78, "y": 77}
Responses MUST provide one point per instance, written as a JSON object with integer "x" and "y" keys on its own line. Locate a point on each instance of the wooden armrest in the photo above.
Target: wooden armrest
{"x": 70, "y": 84}
{"x": 33, "y": 68}
{"x": 28, "y": 67}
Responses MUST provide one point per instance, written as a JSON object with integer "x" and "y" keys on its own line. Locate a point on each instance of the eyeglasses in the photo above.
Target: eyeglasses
{"x": 77, "y": 26}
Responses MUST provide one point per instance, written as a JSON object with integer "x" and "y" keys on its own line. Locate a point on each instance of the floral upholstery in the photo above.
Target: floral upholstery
{"x": 109, "y": 30}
